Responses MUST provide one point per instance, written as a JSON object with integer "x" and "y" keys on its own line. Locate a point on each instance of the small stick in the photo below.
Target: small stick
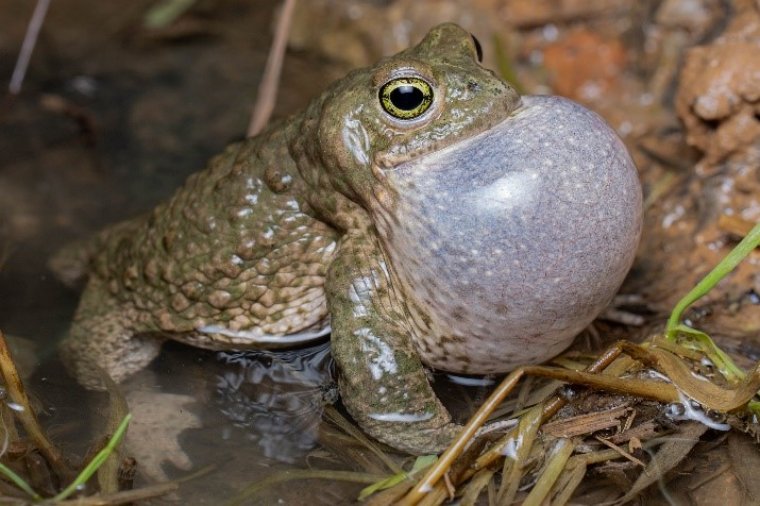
{"x": 26, "y": 414}
{"x": 620, "y": 451}
{"x": 436, "y": 471}
{"x": 108, "y": 473}
{"x": 267, "y": 94}
{"x": 27, "y": 47}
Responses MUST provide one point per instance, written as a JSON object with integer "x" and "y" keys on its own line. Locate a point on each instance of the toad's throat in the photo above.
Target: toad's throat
{"x": 508, "y": 241}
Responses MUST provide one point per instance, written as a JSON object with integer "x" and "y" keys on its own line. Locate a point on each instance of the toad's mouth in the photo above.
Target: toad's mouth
{"x": 513, "y": 240}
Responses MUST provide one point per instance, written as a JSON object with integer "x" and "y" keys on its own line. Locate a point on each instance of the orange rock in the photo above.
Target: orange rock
{"x": 719, "y": 93}
{"x": 584, "y": 65}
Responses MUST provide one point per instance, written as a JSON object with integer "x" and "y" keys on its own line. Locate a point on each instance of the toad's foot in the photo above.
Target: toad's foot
{"x": 105, "y": 338}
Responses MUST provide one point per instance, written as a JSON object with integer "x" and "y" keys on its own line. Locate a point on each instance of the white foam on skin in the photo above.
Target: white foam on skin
{"x": 255, "y": 337}
{"x": 401, "y": 417}
{"x": 697, "y": 415}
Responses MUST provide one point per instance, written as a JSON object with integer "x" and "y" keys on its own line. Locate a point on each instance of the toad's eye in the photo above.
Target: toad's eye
{"x": 406, "y": 97}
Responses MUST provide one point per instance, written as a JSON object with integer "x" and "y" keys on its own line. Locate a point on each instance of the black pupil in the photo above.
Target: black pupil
{"x": 406, "y": 97}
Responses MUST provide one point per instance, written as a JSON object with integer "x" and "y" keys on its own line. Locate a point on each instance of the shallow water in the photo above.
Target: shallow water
{"x": 139, "y": 116}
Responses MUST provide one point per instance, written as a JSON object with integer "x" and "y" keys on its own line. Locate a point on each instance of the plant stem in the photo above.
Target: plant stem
{"x": 96, "y": 462}
{"x": 724, "y": 267}
{"x": 19, "y": 482}
{"x": 26, "y": 415}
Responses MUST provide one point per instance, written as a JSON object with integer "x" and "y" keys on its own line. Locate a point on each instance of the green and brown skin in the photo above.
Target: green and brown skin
{"x": 279, "y": 232}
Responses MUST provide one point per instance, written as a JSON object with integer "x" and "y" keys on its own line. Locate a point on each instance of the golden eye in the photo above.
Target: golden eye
{"x": 406, "y": 97}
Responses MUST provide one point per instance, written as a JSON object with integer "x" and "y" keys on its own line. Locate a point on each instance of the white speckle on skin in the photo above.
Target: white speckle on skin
{"x": 359, "y": 307}
{"x": 237, "y": 260}
{"x": 356, "y": 139}
{"x": 380, "y": 355}
{"x": 470, "y": 382}
{"x": 384, "y": 268}
{"x": 401, "y": 417}
{"x": 330, "y": 247}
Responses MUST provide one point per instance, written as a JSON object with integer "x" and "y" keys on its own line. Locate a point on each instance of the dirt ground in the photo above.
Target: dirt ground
{"x": 114, "y": 115}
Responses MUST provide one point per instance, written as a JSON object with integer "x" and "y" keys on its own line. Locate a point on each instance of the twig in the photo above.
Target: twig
{"x": 108, "y": 473}
{"x": 620, "y": 451}
{"x": 125, "y": 497}
{"x": 303, "y": 474}
{"x": 27, "y": 47}
{"x": 428, "y": 483}
{"x": 26, "y": 415}
{"x": 130, "y": 496}
{"x": 267, "y": 94}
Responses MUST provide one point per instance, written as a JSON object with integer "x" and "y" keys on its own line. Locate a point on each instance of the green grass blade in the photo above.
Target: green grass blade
{"x": 422, "y": 462}
{"x": 19, "y": 481}
{"x": 302, "y": 474}
{"x": 97, "y": 461}
{"x": 701, "y": 342}
{"x": 724, "y": 267}
{"x": 166, "y": 12}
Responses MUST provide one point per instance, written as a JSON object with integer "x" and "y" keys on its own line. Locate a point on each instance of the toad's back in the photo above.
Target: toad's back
{"x": 232, "y": 259}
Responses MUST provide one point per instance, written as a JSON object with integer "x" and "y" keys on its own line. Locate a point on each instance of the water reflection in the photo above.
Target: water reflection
{"x": 277, "y": 397}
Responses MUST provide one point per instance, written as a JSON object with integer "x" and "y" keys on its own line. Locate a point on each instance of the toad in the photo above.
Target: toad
{"x": 420, "y": 211}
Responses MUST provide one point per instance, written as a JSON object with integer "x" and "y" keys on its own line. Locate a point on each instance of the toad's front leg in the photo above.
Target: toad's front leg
{"x": 382, "y": 381}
